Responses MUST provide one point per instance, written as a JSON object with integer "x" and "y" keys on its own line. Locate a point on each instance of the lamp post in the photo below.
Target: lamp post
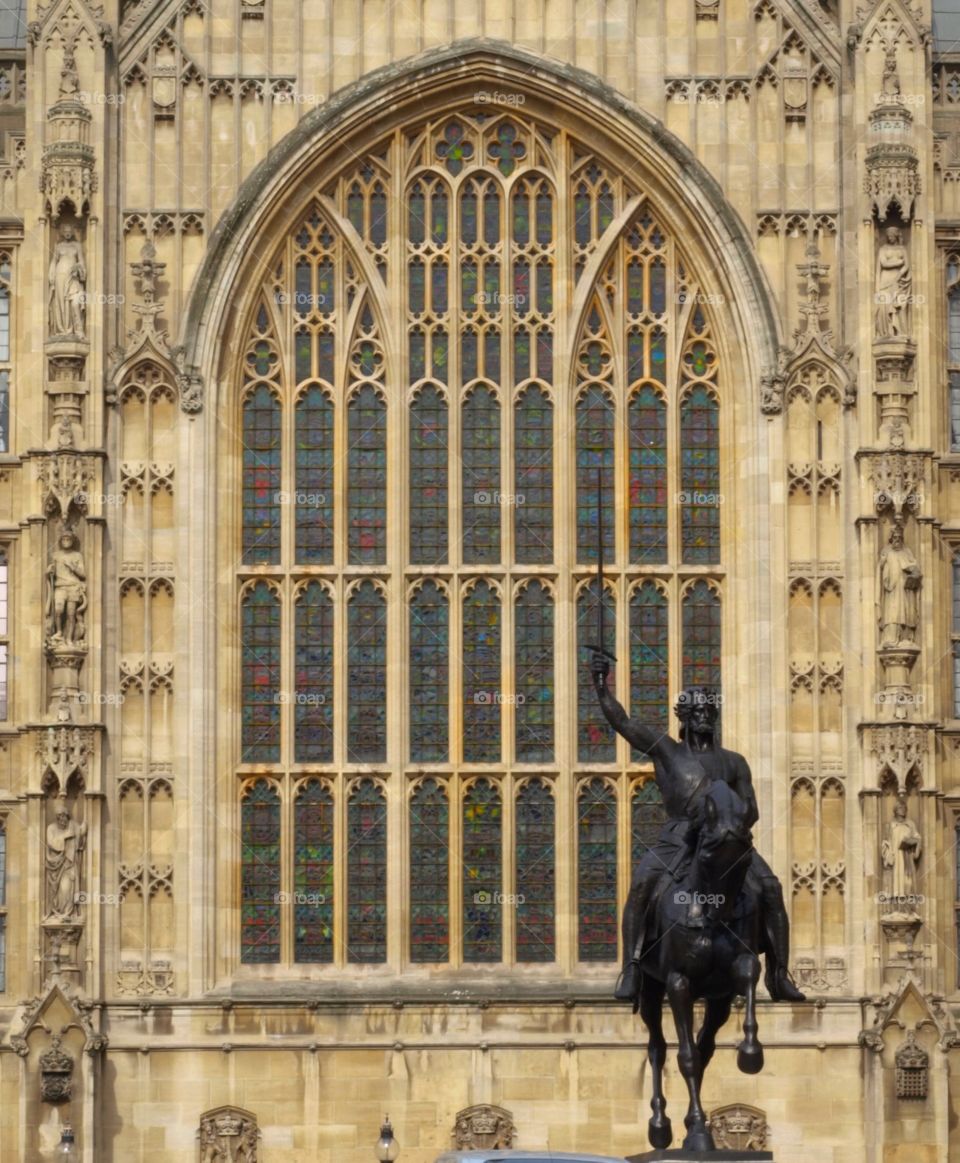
{"x": 66, "y": 1151}
{"x": 387, "y": 1148}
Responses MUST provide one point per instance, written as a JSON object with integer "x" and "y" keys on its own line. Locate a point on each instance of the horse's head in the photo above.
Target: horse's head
{"x": 724, "y": 846}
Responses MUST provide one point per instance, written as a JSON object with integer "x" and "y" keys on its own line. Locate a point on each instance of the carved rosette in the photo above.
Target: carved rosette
{"x": 484, "y": 1127}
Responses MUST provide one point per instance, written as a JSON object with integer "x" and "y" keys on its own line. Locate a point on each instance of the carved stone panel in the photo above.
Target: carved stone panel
{"x": 912, "y": 1064}
{"x": 484, "y": 1127}
{"x": 228, "y": 1135}
{"x": 739, "y": 1127}
{"x": 56, "y": 1068}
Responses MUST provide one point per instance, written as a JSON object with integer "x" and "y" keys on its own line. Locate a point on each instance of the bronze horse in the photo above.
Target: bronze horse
{"x": 703, "y": 942}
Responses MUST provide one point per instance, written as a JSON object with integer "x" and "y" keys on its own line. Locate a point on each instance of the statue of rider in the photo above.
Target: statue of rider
{"x": 683, "y": 772}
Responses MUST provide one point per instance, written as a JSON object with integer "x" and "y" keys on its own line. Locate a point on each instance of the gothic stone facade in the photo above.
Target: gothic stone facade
{"x": 330, "y": 331}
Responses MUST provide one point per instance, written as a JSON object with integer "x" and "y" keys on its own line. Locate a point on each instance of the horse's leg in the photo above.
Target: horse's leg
{"x": 718, "y": 1010}
{"x": 746, "y": 974}
{"x": 698, "y": 1136}
{"x": 659, "y": 1130}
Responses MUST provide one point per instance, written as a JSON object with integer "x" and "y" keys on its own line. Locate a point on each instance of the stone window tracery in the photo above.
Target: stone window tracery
{"x": 456, "y": 375}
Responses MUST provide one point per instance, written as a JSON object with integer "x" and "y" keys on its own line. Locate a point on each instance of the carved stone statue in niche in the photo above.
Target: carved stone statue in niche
{"x": 67, "y": 593}
{"x": 894, "y": 285}
{"x": 68, "y": 281}
{"x": 901, "y": 850}
{"x": 890, "y": 85}
{"x": 66, "y": 840}
{"x": 69, "y": 76}
{"x": 899, "y": 579}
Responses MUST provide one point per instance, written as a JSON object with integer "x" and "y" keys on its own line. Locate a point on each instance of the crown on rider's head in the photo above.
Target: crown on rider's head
{"x": 697, "y": 696}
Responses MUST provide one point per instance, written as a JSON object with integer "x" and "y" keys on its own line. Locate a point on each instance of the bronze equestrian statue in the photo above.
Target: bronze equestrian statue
{"x": 703, "y": 903}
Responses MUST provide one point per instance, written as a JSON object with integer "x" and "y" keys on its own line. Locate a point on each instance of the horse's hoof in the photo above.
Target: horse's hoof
{"x": 699, "y": 1139}
{"x": 660, "y": 1134}
{"x": 750, "y": 1058}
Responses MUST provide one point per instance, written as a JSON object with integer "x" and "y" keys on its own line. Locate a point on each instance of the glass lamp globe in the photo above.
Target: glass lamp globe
{"x": 66, "y": 1151}
{"x": 387, "y": 1148}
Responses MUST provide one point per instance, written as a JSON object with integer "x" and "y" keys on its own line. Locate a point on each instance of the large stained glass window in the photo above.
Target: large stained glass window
{"x": 313, "y": 660}
{"x": 648, "y": 477}
{"x": 429, "y": 674}
{"x": 367, "y": 670}
{"x": 367, "y": 477}
{"x": 313, "y": 827}
{"x": 429, "y": 873}
{"x": 532, "y": 501}
{"x": 700, "y": 496}
{"x": 260, "y": 648}
{"x": 535, "y": 909}
{"x": 482, "y": 873}
{"x": 595, "y": 480}
{"x": 596, "y": 742}
{"x": 428, "y": 478}
{"x": 649, "y": 669}
{"x": 482, "y": 695}
{"x": 646, "y": 816}
{"x": 261, "y": 477}
{"x": 533, "y": 674}
{"x": 701, "y": 636}
{"x": 366, "y": 873}
{"x": 597, "y": 872}
{"x": 434, "y": 426}
{"x": 260, "y": 873}
{"x": 482, "y": 499}
{"x": 313, "y": 496}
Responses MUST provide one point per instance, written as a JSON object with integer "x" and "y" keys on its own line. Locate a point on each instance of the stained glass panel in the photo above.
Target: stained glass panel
{"x": 701, "y": 637}
{"x": 646, "y": 815}
{"x": 366, "y": 874}
{"x": 595, "y": 427}
{"x": 428, "y": 478}
{"x": 367, "y": 478}
{"x": 429, "y": 674}
{"x": 533, "y": 478}
{"x": 700, "y": 476}
{"x": 648, "y": 477}
{"x": 536, "y": 890}
{"x": 313, "y": 499}
{"x": 260, "y": 875}
{"x": 649, "y": 672}
{"x": 482, "y": 873}
{"x": 367, "y": 675}
{"x": 533, "y": 674}
{"x": 313, "y": 660}
{"x": 429, "y": 873}
{"x": 313, "y": 873}
{"x": 261, "y": 477}
{"x": 481, "y": 675}
{"x": 596, "y": 741}
{"x": 481, "y": 477}
{"x": 597, "y": 872}
{"x": 260, "y": 653}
